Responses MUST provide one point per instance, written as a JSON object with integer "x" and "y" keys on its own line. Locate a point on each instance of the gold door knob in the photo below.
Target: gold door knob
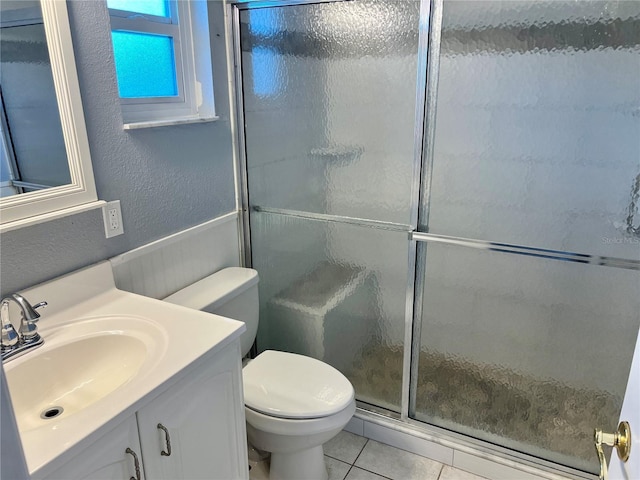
{"x": 620, "y": 440}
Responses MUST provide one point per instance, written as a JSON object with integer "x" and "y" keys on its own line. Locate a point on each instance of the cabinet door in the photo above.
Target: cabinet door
{"x": 106, "y": 458}
{"x": 204, "y": 417}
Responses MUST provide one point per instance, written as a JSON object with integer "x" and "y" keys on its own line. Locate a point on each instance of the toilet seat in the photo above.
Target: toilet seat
{"x": 290, "y": 386}
{"x": 295, "y": 427}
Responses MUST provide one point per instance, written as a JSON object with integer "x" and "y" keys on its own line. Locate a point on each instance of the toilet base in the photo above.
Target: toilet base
{"x": 304, "y": 464}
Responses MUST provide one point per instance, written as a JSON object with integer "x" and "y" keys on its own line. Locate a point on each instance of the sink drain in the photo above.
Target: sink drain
{"x": 51, "y": 412}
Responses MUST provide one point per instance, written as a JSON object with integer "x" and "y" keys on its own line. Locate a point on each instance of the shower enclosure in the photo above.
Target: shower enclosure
{"x": 442, "y": 200}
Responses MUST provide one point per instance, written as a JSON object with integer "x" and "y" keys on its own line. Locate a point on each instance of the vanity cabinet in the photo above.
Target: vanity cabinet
{"x": 198, "y": 423}
{"x": 105, "y": 459}
{"x": 204, "y": 420}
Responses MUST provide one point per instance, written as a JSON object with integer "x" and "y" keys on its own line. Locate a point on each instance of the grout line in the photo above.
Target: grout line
{"x": 348, "y": 471}
{"x": 341, "y": 461}
{"x": 336, "y": 458}
{"x": 356, "y": 459}
{"x": 362, "y": 468}
{"x": 376, "y": 473}
{"x": 360, "y": 452}
{"x": 442, "y": 465}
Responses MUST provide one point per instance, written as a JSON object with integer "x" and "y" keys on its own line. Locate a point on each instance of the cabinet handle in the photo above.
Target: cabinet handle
{"x": 135, "y": 462}
{"x": 167, "y": 439}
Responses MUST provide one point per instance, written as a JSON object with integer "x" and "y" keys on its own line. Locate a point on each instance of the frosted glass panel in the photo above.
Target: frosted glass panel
{"x": 520, "y": 351}
{"x": 145, "y": 65}
{"x": 329, "y": 107}
{"x": 537, "y": 127}
{"x": 335, "y": 292}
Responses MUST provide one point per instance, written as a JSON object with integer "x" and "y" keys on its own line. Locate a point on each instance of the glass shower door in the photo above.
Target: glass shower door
{"x": 329, "y": 105}
{"x": 527, "y": 276}
{"x": 529, "y": 300}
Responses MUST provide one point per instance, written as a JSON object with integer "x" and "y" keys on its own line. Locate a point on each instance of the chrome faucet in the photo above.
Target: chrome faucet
{"x": 14, "y": 344}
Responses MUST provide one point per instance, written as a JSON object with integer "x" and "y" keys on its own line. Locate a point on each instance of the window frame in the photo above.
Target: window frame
{"x": 188, "y": 104}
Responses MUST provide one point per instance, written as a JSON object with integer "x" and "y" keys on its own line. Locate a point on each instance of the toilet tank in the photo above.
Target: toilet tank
{"x": 232, "y": 293}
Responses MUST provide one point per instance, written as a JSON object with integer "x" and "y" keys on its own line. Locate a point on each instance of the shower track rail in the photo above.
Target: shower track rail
{"x": 549, "y": 254}
{"x": 362, "y": 222}
{"x": 583, "y": 258}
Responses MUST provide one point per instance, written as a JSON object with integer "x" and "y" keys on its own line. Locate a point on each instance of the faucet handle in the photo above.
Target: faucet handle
{"x": 9, "y": 337}
{"x": 36, "y": 317}
{"x": 28, "y": 329}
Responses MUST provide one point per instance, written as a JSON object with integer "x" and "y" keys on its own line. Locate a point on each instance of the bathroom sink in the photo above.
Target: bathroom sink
{"x": 79, "y": 366}
{"x": 106, "y": 353}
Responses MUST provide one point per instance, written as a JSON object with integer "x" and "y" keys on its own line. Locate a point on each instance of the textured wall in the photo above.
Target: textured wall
{"x": 172, "y": 263}
{"x": 166, "y": 178}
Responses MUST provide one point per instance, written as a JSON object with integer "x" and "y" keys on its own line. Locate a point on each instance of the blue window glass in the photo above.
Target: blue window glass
{"x": 149, "y": 7}
{"x": 145, "y": 65}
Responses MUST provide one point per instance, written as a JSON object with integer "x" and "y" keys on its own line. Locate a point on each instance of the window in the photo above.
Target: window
{"x": 162, "y": 61}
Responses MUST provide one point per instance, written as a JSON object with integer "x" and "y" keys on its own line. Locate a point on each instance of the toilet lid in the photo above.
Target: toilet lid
{"x": 287, "y": 385}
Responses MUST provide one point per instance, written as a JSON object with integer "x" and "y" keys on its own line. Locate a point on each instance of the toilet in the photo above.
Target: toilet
{"x": 293, "y": 403}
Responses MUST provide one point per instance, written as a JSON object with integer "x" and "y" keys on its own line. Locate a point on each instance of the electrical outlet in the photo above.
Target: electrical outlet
{"x": 112, "y": 216}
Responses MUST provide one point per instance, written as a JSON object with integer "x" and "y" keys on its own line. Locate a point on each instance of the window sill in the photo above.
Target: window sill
{"x": 169, "y": 122}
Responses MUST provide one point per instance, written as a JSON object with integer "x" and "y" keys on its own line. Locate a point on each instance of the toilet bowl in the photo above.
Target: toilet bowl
{"x": 293, "y": 403}
{"x": 295, "y": 453}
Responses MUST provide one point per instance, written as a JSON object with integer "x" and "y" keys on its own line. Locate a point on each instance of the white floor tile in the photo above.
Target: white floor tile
{"x": 345, "y": 446}
{"x": 259, "y": 470}
{"x": 337, "y": 470}
{"x": 359, "y": 474}
{"x": 397, "y": 464}
{"x": 450, "y": 473}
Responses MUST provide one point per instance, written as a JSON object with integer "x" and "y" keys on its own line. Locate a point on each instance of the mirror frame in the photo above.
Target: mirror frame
{"x": 26, "y": 208}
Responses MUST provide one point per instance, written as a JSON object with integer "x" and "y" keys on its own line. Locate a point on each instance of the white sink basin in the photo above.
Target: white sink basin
{"x": 79, "y": 366}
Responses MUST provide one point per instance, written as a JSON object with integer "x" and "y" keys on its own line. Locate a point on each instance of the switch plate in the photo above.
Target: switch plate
{"x": 112, "y": 216}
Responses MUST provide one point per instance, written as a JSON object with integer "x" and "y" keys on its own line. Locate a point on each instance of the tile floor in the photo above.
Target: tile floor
{"x": 352, "y": 457}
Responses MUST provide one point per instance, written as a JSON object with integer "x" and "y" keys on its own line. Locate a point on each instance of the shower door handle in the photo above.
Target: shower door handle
{"x": 620, "y": 440}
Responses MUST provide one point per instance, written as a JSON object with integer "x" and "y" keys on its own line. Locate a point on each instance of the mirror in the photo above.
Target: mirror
{"x": 32, "y": 150}
{"x": 45, "y": 163}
